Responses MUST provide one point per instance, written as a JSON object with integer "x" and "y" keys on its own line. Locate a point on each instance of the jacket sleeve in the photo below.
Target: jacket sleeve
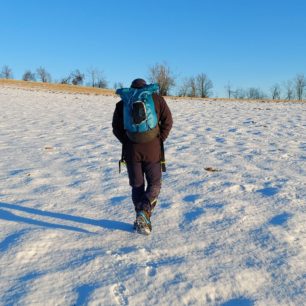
{"x": 165, "y": 121}
{"x": 117, "y": 124}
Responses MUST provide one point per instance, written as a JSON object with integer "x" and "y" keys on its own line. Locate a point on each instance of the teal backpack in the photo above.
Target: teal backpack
{"x": 139, "y": 114}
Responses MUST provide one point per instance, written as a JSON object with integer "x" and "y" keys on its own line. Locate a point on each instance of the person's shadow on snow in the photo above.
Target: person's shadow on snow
{"x": 9, "y": 216}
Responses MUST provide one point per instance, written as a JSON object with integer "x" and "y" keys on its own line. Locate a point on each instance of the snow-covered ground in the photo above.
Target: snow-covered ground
{"x": 235, "y": 236}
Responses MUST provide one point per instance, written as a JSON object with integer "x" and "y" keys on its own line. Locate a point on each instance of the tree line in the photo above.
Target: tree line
{"x": 199, "y": 85}
{"x": 294, "y": 89}
{"x": 95, "y": 76}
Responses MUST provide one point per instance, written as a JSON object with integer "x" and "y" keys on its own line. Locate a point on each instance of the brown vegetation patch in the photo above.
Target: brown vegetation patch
{"x": 56, "y": 87}
{"x": 76, "y": 89}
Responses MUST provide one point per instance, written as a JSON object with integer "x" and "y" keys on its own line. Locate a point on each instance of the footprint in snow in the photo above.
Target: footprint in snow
{"x": 11, "y": 240}
{"x": 191, "y": 216}
{"x": 120, "y": 295}
{"x": 216, "y": 206}
{"x": 220, "y": 139}
{"x": 241, "y": 301}
{"x": 84, "y": 292}
{"x": 280, "y": 219}
{"x": 191, "y": 198}
{"x": 268, "y": 191}
{"x": 117, "y": 200}
{"x": 152, "y": 266}
{"x": 249, "y": 121}
{"x": 127, "y": 250}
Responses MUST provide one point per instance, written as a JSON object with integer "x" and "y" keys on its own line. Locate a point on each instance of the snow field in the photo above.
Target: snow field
{"x": 233, "y": 235}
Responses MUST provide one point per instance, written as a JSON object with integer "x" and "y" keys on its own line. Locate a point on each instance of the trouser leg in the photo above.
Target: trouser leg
{"x": 153, "y": 176}
{"x": 136, "y": 179}
{"x": 144, "y": 199}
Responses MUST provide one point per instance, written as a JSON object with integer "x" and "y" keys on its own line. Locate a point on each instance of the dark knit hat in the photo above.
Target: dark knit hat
{"x": 138, "y": 83}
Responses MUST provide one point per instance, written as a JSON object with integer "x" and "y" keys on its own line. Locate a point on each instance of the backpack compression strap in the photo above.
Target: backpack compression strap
{"x": 128, "y": 93}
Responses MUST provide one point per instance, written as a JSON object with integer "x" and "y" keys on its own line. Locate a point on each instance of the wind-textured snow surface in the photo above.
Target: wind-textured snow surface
{"x": 233, "y": 234}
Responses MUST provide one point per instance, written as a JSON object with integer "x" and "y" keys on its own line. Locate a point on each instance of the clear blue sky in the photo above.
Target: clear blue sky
{"x": 244, "y": 42}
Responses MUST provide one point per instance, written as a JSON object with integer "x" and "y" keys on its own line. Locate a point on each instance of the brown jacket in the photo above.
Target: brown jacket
{"x": 150, "y": 151}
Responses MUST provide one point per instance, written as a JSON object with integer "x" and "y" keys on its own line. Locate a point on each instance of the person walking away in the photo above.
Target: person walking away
{"x": 142, "y": 122}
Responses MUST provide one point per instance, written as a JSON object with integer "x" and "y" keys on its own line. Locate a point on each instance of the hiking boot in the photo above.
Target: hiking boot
{"x": 142, "y": 223}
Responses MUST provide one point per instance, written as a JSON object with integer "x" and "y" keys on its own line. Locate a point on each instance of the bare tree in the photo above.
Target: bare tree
{"x": 229, "y": 90}
{"x": 192, "y": 87}
{"x": 189, "y": 88}
{"x": 43, "y": 75}
{"x": 289, "y": 87}
{"x": 6, "y": 72}
{"x": 275, "y": 92}
{"x": 97, "y": 78}
{"x": 29, "y": 76}
{"x": 183, "y": 90}
{"x": 102, "y": 83}
{"x": 255, "y": 93}
{"x": 300, "y": 84}
{"x": 77, "y": 78}
{"x": 162, "y": 74}
{"x": 65, "y": 80}
{"x": 204, "y": 85}
{"x": 92, "y": 73}
{"x": 118, "y": 85}
{"x": 239, "y": 93}
{"x": 199, "y": 86}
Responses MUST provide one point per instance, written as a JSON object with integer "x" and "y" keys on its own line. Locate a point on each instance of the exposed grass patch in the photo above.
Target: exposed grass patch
{"x": 32, "y": 86}
{"x": 56, "y": 87}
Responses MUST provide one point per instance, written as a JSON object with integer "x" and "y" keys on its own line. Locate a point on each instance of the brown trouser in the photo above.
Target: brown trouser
{"x": 144, "y": 198}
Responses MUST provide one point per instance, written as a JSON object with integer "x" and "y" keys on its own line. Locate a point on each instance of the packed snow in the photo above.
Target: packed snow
{"x": 229, "y": 228}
